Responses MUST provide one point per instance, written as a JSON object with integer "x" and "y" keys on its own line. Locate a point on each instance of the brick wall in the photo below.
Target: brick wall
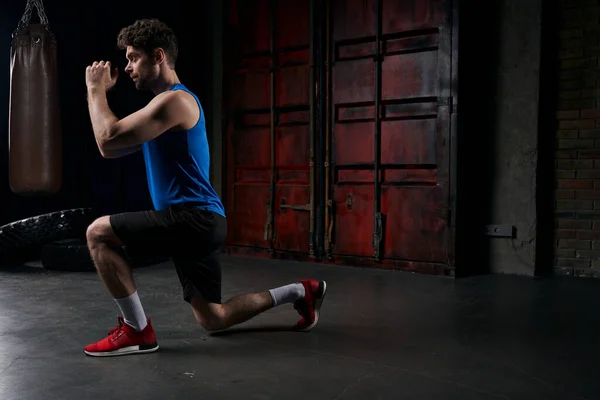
{"x": 577, "y": 189}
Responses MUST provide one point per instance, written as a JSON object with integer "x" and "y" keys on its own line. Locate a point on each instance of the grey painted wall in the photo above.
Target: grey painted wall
{"x": 515, "y": 144}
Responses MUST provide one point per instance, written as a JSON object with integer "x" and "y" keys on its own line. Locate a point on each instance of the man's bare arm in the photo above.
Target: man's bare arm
{"x": 164, "y": 112}
{"x": 121, "y": 152}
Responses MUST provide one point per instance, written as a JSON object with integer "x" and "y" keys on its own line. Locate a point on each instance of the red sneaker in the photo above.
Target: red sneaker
{"x": 308, "y": 307}
{"x": 124, "y": 340}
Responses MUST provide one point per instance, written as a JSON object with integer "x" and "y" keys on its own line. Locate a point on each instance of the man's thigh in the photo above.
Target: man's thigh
{"x": 154, "y": 232}
{"x": 200, "y": 275}
{"x": 183, "y": 231}
{"x": 197, "y": 259}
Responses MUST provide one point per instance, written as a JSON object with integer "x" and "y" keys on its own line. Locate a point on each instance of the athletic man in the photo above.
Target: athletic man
{"x": 188, "y": 222}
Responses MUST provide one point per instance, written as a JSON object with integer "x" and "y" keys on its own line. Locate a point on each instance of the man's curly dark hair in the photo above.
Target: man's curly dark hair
{"x": 148, "y": 35}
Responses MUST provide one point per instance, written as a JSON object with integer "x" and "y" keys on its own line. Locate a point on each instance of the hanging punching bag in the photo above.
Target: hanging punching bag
{"x": 35, "y": 139}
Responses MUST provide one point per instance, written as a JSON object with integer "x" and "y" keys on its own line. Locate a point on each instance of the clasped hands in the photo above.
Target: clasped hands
{"x": 100, "y": 76}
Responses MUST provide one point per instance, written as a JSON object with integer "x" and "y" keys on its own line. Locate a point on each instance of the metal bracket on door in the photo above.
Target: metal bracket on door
{"x": 302, "y": 207}
{"x": 378, "y": 236}
{"x": 349, "y": 201}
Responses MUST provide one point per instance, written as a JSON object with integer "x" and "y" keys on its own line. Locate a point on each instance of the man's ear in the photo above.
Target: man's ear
{"x": 159, "y": 56}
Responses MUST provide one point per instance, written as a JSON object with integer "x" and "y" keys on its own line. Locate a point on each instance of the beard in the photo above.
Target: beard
{"x": 145, "y": 80}
{"x": 140, "y": 84}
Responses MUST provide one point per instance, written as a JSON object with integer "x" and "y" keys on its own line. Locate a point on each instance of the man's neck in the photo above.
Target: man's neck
{"x": 166, "y": 84}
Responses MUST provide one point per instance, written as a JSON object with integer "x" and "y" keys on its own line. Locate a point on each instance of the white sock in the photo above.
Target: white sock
{"x": 287, "y": 294}
{"x": 133, "y": 312}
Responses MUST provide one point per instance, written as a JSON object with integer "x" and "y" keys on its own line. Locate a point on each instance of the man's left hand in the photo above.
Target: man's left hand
{"x": 99, "y": 76}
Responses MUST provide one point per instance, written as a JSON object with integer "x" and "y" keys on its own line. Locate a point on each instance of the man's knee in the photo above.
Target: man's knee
{"x": 210, "y": 323}
{"x": 210, "y": 315}
{"x": 100, "y": 233}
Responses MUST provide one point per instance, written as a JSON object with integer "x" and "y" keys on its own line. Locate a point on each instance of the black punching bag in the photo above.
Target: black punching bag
{"x": 35, "y": 139}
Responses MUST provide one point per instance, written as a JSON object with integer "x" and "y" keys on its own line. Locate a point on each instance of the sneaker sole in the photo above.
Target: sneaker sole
{"x": 143, "y": 349}
{"x": 318, "y": 303}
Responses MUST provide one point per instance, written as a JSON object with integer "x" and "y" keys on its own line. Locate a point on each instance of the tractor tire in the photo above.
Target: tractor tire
{"x": 22, "y": 240}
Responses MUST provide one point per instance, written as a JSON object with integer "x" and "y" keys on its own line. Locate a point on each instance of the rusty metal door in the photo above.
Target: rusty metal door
{"x": 390, "y": 72}
{"x": 269, "y": 119}
{"x": 331, "y": 95}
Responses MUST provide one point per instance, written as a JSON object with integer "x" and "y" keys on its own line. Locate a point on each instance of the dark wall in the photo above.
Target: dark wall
{"x": 575, "y": 192}
{"x": 88, "y": 179}
{"x": 500, "y": 56}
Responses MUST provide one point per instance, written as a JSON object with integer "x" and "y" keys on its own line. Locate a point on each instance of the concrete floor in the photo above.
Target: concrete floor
{"x": 383, "y": 335}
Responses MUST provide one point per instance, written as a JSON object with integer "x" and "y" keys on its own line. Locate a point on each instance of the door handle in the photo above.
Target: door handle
{"x": 300, "y": 207}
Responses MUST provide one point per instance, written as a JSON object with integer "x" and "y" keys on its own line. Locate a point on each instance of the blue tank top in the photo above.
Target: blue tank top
{"x": 177, "y": 167}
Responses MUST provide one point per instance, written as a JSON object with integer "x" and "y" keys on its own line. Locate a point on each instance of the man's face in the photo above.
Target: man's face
{"x": 140, "y": 67}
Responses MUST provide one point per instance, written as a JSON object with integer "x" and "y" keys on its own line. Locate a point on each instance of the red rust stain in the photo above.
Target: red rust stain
{"x": 293, "y": 146}
{"x": 253, "y": 18}
{"x": 292, "y": 86}
{"x": 353, "y": 19}
{"x": 258, "y": 140}
{"x": 412, "y": 230}
{"x": 353, "y": 224}
{"x": 354, "y": 143}
{"x": 410, "y": 75}
{"x": 355, "y": 113}
{"x": 411, "y": 141}
{"x": 252, "y": 90}
{"x": 359, "y": 50}
{"x": 292, "y": 226}
{"x": 354, "y": 81}
{"x": 247, "y": 222}
{"x": 406, "y": 176}
{"x": 354, "y": 176}
{"x": 292, "y": 27}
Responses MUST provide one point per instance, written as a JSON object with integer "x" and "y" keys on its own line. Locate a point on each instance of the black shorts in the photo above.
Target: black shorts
{"x": 190, "y": 236}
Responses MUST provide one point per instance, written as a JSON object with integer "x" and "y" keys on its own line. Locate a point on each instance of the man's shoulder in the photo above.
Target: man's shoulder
{"x": 170, "y": 96}
{"x": 175, "y": 99}
{"x": 179, "y": 105}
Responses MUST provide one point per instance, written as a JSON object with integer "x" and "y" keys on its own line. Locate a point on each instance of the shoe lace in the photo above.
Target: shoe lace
{"x": 116, "y": 329}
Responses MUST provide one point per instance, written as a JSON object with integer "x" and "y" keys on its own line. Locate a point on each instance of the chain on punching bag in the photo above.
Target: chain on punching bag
{"x": 35, "y": 138}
